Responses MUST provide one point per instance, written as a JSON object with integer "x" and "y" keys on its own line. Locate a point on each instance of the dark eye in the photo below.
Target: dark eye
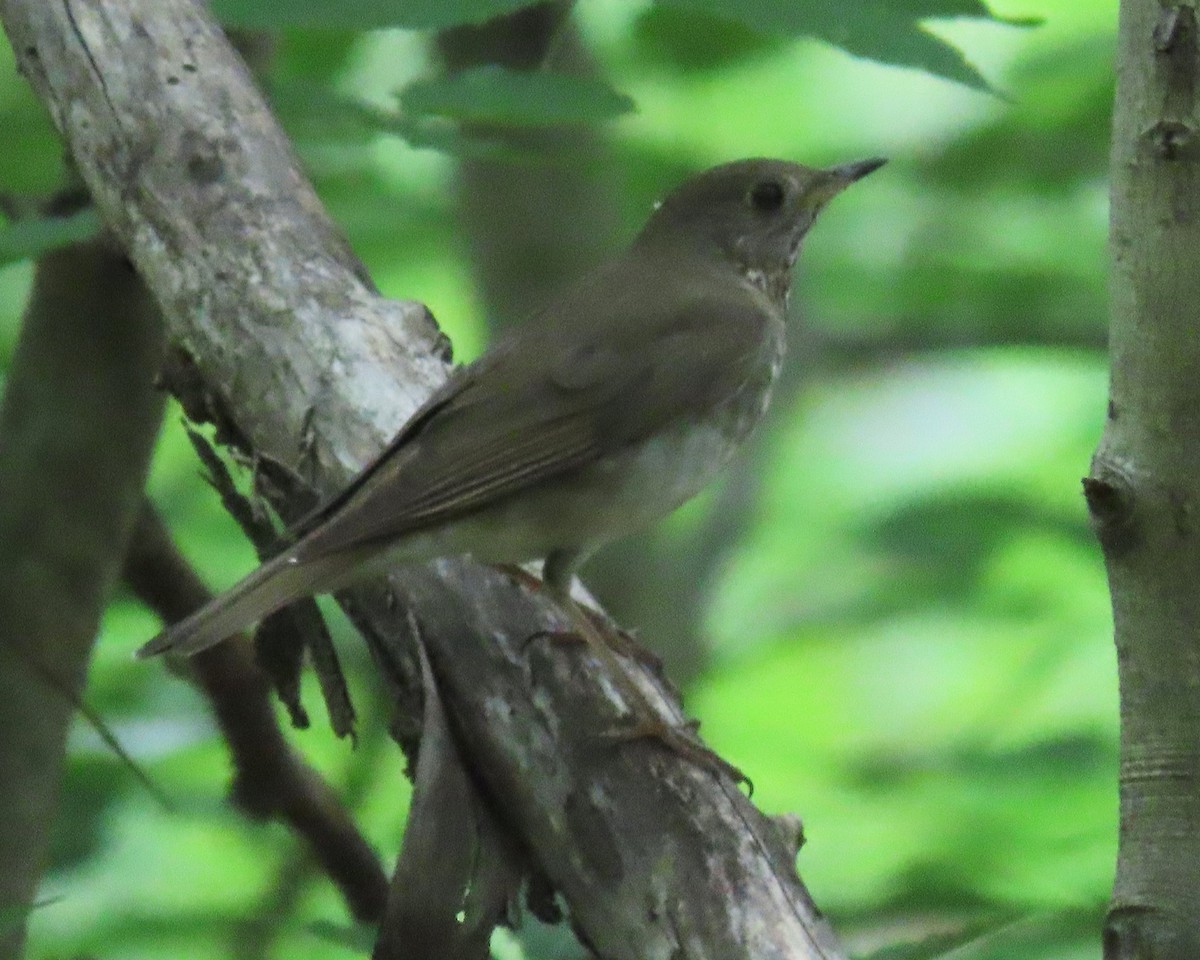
{"x": 766, "y": 196}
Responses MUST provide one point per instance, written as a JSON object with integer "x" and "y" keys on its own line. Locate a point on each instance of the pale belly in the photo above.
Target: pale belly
{"x": 590, "y": 507}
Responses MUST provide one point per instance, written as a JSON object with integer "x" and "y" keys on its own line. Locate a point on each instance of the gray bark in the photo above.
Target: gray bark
{"x": 1144, "y": 486}
{"x": 290, "y": 350}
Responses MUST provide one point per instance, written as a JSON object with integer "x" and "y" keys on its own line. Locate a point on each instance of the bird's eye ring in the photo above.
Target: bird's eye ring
{"x": 766, "y": 196}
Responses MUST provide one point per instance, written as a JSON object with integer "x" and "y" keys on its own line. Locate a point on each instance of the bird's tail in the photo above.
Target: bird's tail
{"x": 273, "y": 585}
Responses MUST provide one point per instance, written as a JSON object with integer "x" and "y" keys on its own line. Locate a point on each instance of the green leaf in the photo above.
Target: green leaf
{"x": 946, "y": 9}
{"x": 516, "y": 98}
{"x": 690, "y": 40}
{"x": 27, "y": 239}
{"x": 361, "y": 14}
{"x": 927, "y": 8}
{"x": 890, "y": 31}
{"x": 907, "y": 44}
{"x": 316, "y": 114}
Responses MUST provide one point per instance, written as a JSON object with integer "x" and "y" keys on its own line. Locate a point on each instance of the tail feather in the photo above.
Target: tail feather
{"x": 272, "y": 586}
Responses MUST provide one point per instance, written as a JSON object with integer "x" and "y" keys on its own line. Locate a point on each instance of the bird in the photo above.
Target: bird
{"x": 603, "y": 412}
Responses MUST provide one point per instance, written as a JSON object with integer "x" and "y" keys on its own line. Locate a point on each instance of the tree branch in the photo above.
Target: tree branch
{"x": 299, "y": 361}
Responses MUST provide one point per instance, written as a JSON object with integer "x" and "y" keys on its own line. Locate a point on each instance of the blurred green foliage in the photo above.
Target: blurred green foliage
{"x": 515, "y": 98}
{"x": 912, "y": 638}
{"x": 29, "y": 238}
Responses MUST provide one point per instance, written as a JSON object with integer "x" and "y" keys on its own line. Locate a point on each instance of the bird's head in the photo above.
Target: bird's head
{"x": 753, "y": 213}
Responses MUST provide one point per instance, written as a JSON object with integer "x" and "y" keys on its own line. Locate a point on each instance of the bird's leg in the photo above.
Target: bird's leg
{"x": 624, "y": 641}
{"x": 648, "y": 721}
{"x": 616, "y": 636}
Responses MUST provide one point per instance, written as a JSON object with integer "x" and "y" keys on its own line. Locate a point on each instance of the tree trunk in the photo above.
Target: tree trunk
{"x": 77, "y": 427}
{"x": 1144, "y": 487}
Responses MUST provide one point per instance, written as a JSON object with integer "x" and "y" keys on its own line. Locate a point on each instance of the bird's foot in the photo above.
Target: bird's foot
{"x": 624, "y": 642}
{"x": 617, "y": 638}
{"x": 620, "y": 641}
{"x": 680, "y": 740}
{"x": 608, "y": 642}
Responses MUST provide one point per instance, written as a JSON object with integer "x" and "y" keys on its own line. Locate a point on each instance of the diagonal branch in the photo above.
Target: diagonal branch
{"x": 298, "y": 360}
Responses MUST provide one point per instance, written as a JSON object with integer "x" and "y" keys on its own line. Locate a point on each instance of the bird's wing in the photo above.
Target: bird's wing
{"x": 319, "y": 514}
{"x": 537, "y": 408}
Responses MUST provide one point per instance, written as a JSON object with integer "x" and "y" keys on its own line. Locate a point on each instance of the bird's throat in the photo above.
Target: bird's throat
{"x": 776, "y": 284}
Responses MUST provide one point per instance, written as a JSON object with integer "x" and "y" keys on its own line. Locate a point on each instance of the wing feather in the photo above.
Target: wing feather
{"x": 544, "y": 405}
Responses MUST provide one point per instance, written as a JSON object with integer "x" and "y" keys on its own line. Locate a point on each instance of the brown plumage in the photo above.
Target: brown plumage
{"x": 596, "y": 417}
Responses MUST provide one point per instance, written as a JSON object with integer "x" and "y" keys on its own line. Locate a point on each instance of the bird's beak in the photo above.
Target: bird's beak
{"x": 849, "y": 172}
{"x": 836, "y": 179}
